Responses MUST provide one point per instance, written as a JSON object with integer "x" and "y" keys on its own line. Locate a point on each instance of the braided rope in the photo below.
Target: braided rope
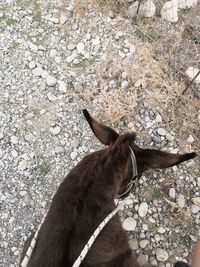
{"x": 95, "y": 235}
{"x": 31, "y": 247}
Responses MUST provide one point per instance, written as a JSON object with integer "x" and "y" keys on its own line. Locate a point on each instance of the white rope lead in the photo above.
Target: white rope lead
{"x": 90, "y": 242}
{"x": 31, "y": 247}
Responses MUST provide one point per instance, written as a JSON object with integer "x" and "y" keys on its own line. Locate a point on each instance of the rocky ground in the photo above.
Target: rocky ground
{"x": 59, "y": 57}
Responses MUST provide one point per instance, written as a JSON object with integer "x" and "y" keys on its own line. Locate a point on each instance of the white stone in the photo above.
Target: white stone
{"x": 76, "y": 61}
{"x": 29, "y": 137}
{"x": 132, "y": 9}
{"x": 169, "y": 137}
{"x": 138, "y": 83}
{"x": 88, "y": 36}
{"x": 148, "y": 9}
{"x": 14, "y": 153}
{"x": 22, "y": 193}
{"x": 14, "y": 139}
{"x": 44, "y": 74}
{"x": 198, "y": 181}
{"x": 62, "y": 87}
{"x": 129, "y": 224}
{"x": 22, "y": 165}
{"x": 78, "y": 87}
{"x": 161, "y": 230}
{"x": 144, "y": 243}
{"x": 55, "y": 130}
{"x": 158, "y": 118}
{"x": 70, "y": 8}
{"x": 124, "y": 84}
{"x": 51, "y": 97}
{"x": 53, "y": 53}
{"x": 194, "y": 238}
{"x": 59, "y": 149}
{"x": 133, "y": 244}
{"x": 1, "y": 164}
{"x": 129, "y": 202}
{"x": 191, "y": 72}
{"x": 63, "y": 19}
{"x": 37, "y": 71}
{"x": 71, "y": 46}
{"x": 174, "y": 151}
{"x": 161, "y": 131}
{"x": 157, "y": 237}
{"x": 190, "y": 139}
{"x": 187, "y": 3}
{"x": 161, "y": 255}
{"x": 70, "y": 59}
{"x": 180, "y": 200}
{"x": 31, "y": 65}
{"x": 96, "y": 41}
{"x": 169, "y": 11}
{"x": 54, "y": 20}
{"x": 143, "y": 208}
{"x": 75, "y": 143}
{"x": 80, "y": 47}
{"x": 195, "y": 209}
{"x": 42, "y": 48}
{"x": 172, "y": 193}
{"x": 51, "y": 81}
{"x": 73, "y": 155}
{"x": 33, "y": 47}
{"x": 1, "y": 135}
{"x": 196, "y": 201}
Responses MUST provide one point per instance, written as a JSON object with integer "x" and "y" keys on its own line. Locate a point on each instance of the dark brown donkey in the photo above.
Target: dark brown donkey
{"x": 86, "y": 197}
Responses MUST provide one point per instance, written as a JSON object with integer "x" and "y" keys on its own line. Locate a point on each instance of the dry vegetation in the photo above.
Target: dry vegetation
{"x": 163, "y": 53}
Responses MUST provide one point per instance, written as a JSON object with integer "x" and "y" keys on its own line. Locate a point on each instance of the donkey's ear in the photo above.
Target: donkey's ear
{"x": 156, "y": 159}
{"x": 106, "y": 135}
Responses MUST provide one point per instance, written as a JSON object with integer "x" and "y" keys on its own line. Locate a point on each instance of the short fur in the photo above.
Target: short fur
{"x": 86, "y": 197}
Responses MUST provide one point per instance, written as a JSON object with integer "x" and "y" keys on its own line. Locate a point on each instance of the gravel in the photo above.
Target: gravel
{"x": 50, "y": 65}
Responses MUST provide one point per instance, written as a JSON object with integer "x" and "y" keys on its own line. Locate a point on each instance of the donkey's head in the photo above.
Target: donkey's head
{"x": 125, "y": 144}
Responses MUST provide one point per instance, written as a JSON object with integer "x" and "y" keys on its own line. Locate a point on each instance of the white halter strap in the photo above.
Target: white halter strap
{"x": 98, "y": 230}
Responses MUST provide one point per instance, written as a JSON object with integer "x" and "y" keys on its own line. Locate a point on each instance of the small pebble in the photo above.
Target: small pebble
{"x": 161, "y": 255}
{"x": 133, "y": 244}
{"x": 14, "y": 140}
{"x": 51, "y": 81}
{"x": 143, "y": 208}
{"x": 172, "y": 193}
{"x": 190, "y": 139}
{"x": 62, "y": 87}
{"x": 144, "y": 243}
{"x": 73, "y": 155}
{"x": 129, "y": 224}
{"x": 22, "y": 165}
{"x": 180, "y": 200}
{"x": 161, "y": 131}
{"x": 37, "y": 71}
{"x": 80, "y": 48}
{"x": 55, "y": 130}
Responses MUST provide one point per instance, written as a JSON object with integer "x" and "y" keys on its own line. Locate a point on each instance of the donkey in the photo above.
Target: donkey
{"x": 86, "y": 197}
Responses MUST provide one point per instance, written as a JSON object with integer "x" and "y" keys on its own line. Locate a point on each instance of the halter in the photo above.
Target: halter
{"x": 133, "y": 178}
{"x": 98, "y": 230}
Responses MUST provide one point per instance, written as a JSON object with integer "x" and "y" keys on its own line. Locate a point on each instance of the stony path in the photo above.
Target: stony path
{"x": 56, "y": 59}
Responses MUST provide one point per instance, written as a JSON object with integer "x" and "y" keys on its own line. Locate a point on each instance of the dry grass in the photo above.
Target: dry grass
{"x": 163, "y": 72}
{"x": 181, "y": 213}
